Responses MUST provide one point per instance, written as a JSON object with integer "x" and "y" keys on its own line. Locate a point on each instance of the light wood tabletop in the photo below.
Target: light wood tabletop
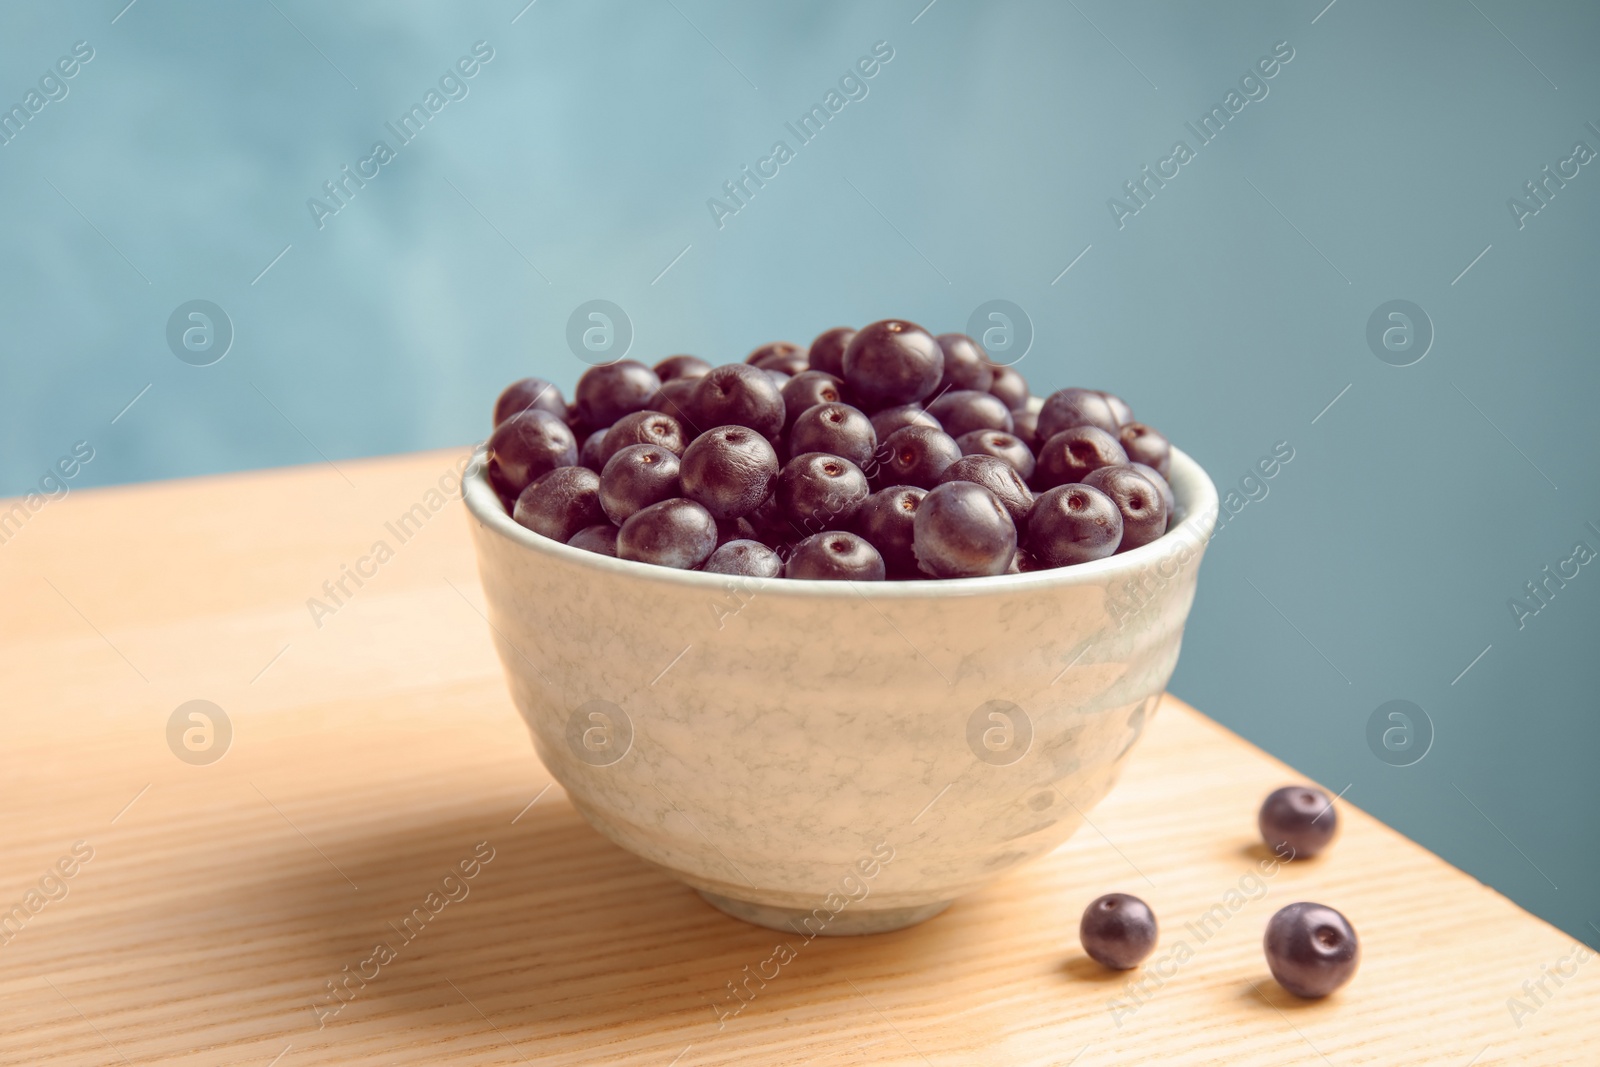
{"x": 168, "y": 910}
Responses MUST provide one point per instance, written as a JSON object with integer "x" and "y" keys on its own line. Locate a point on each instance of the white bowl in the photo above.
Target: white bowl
{"x": 835, "y": 757}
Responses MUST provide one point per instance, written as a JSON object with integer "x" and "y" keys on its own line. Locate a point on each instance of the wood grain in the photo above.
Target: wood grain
{"x": 372, "y": 754}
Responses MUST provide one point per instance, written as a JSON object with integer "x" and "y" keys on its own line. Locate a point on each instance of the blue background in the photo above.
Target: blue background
{"x": 1229, "y": 311}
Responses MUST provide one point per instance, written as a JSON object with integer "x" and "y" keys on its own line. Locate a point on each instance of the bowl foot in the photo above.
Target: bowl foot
{"x": 843, "y": 924}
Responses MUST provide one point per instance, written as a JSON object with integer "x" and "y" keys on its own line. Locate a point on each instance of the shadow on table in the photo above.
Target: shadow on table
{"x": 559, "y": 931}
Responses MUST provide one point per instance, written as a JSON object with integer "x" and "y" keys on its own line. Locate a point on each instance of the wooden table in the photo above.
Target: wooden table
{"x": 371, "y": 754}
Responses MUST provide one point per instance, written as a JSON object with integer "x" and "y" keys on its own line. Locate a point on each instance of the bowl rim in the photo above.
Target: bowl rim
{"x": 1193, "y": 491}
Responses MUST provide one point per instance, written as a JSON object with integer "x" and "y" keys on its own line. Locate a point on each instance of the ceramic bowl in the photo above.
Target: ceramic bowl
{"x": 835, "y": 757}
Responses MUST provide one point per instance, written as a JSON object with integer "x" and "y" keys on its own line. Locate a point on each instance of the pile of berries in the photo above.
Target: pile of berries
{"x": 884, "y": 452}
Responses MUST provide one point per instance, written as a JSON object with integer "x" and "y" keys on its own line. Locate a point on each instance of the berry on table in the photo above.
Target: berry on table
{"x": 1118, "y": 931}
{"x": 1311, "y": 949}
{"x": 1299, "y": 819}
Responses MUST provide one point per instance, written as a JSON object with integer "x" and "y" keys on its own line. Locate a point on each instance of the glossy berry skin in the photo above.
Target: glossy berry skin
{"x": 1066, "y": 408}
{"x": 529, "y": 393}
{"x": 635, "y": 478}
{"x": 561, "y": 502}
{"x": 1000, "y": 478}
{"x": 1118, "y": 931}
{"x": 914, "y": 455}
{"x": 1010, "y": 386}
{"x": 644, "y": 428}
{"x": 827, "y": 351}
{"x": 674, "y": 533}
{"x": 1297, "y": 821}
{"x": 808, "y": 389}
{"x": 592, "y": 454}
{"x": 835, "y": 428}
{"x": 817, "y": 491}
{"x": 1072, "y": 524}
{"x": 1311, "y": 949}
{"x": 1119, "y": 407}
{"x": 1071, "y": 454}
{"x": 1025, "y": 424}
{"x": 966, "y": 365}
{"x": 600, "y": 539}
{"x": 887, "y": 520}
{"x": 527, "y": 445}
{"x": 1146, "y": 445}
{"x": 608, "y": 392}
{"x": 773, "y": 348}
{"x": 744, "y": 557}
{"x": 1144, "y": 512}
{"x": 780, "y": 355}
{"x": 886, "y": 421}
{"x": 675, "y": 367}
{"x": 892, "y": 362}
{"x": 1161, "y": 485}
{"x": 673, "y": 398}
{"x": 999, "y": 444}
{"x": 737, "y": 394}
{"x": 835, "y": 556}
{"x": 963, "y": 531}
{"x": 965, "y": 410}
{"x": 729, "y": 470}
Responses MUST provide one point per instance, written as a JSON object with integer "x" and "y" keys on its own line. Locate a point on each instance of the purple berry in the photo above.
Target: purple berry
{"x": 838, "y": 429}
{"x": 1118, "y": 931}
{"x": 612, "y": 390}
{"x": 745, "y": 557}
{"x": 737, "y": 394}
{"x": 1311, "y": 949}
{"x": 644, "y": 428}
{"x": 808, "y": 389}
{"x": 835, "y": 556}
{"x": 1162, "y": 486}
{"x": 963, "y": 531}
{"x": 600, "y": 539}
{"x": 1010, "y": 386}
{"x": 1146, "y": 445}
{"x": 827, "y": 351}
{"x": 559, "y": 503}
{"x": 729, "y": 470}
{"x": 527, "y": 445}
{"x": 1073, "y": 524}
{"x": 1071, "y": 454}
{"x": 1119, "y": 407}
{"x": 1025, "y": 424}
{"x": 673, "y": 398}
{"x": 966, "y": 410}
{"x": 779, "y": 355}
{"x": 529, "y": 393}
{"x": 635, "y": 478}
{"x": 999, "y": 444}
{"x": 1144, "y": 512}
{"x": 593, "y": 450}
{"x": 914, "y": 455}
{"x": 887, "y": 519}
{"x": 892, "y": 362}
{"x": 817, "y": 491}
{"x": 966, "y": 366}
{"x": 1000, "y": 478}
{"x": 1067, "y": 408}
{"x": 887, "y": 420}
{"x": 674, "y": 533}
{"x": 1299, "y": 820}
{"x": 675, "y": 367}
